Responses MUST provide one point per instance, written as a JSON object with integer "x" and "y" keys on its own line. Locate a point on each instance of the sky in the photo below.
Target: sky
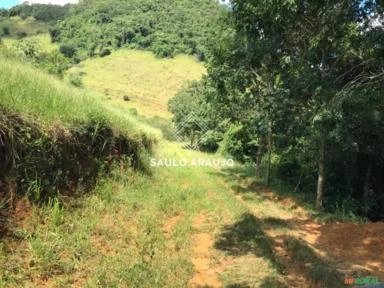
{"x": 10, "y": 3}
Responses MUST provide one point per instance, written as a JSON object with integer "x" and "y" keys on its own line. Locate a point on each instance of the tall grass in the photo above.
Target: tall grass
{"x": 54, "y": 137}
{"x": 28, "y": 91}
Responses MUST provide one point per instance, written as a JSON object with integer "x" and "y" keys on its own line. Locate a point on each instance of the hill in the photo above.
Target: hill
{"x": 19, "y": 28}
{"x": 55, "y": 138}
{"x": 149, "y": 82}
{"x": 166, "y": 28}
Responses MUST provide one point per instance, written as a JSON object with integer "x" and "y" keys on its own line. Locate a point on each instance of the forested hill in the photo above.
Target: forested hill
{"x": 164, "y": 27}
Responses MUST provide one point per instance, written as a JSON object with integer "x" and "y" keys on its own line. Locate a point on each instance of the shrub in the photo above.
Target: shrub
{"x": 55, "y": 34}
{"x": 54, "y": 62}
{"x": 6, "y": 31}
{"x": 104, "y": 52}
{"x": 28, "y": 48}
{"x": 21, "y": 35}
{"x": 67, "y": 50}
{"x": 237, "y": 141}
{"x": 163, "y": 50}
{"x": 200, "y": 56}
{"x": 209, "y": 141}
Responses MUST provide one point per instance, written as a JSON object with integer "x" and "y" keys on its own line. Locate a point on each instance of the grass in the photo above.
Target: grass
{"x": 27, "y": 91}
{"x": 30, "y": 26}
{"x": 139, "y": 229}
{"x": 148, "y": 81}
{"x": 116, "y": 238}
{"x": 56, "y": 138}
{"x": 44, "y": 42}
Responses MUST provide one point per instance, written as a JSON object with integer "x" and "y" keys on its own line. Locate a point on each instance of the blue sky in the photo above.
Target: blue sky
{"x": 8, "y": 3}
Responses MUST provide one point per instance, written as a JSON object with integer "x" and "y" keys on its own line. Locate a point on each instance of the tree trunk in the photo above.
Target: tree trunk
{"x": 258, "y": 160}
{"x": 367, "y": 188}
{"x": 269, "y": 152}
{"x": 321, "y": 176}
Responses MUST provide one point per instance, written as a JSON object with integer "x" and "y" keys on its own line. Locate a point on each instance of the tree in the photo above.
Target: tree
{"x": 279, "y": 68}
{"x": 143, "y": 24}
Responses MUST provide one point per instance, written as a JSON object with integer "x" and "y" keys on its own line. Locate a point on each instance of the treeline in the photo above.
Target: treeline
{"x": 297, "y": 88}
{"x": 41, "y": 12}
{"x": 164, "y": 27}
{"x": 27, "y": 20}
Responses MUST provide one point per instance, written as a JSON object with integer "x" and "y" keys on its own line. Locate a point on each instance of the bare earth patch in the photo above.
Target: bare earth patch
{"x": 170, "y": 224}
{"x": 357, "y": 247}
{"x": 205, "y": 274}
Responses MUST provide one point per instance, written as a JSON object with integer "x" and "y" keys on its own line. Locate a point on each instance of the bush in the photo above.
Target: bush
{"x": 209, "y": 142}
{"x": 67, "y": 50}
{"x": 163, "y": 50}
{"x": 237, "y": 141}
{"x": 21, "y": 35}
{"x": 6, "y": 31}
{"x": 54, "y": 62}
{"x": 55, "y": 34}
{"x": 27, "y": 48}
{"x": 104, "y": 52}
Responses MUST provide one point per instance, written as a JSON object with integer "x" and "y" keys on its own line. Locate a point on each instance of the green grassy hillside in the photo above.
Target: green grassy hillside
{"x": 148, "y": 81}
{"x": 43, "y": 40}
{"x": 56, "y": 138}
{"x": 18, "y": 27}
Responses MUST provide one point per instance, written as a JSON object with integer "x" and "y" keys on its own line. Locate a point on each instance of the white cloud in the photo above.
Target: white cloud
{"x": 55, "y": 2}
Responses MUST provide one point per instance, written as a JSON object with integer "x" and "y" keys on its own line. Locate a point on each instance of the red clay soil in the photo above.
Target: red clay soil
{"x": 358, "y": 245}
{"x": 356, "y": 249}
{"x": 205, "y": 275}
{"x": 18, "y": 215}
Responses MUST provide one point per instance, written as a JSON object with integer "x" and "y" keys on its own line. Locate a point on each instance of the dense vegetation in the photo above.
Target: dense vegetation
{"x": 26, "y": 20}
{"x": 40, "y": 12}
{"x": 293, "y": 88}
{"x": 55, "y": 139}
{"x": 297, "y": 87}
{"x": 164, "y": 27}
{"x": 32, "y": 50}
{"x": 17, "y": 28}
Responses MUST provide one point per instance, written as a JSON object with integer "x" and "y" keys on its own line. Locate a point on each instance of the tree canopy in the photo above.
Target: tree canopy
{"x": 298, "y": 86}
{"x": 164, "y": 27}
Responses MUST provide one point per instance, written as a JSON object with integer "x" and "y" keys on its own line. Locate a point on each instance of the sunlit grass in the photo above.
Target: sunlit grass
{"x": 43, "y": 40}
{"x": 148, "y": 81}
{"x": 116, "y": 236}
{"x": 17, "y": 24}
{"x": 32, "y": 93}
